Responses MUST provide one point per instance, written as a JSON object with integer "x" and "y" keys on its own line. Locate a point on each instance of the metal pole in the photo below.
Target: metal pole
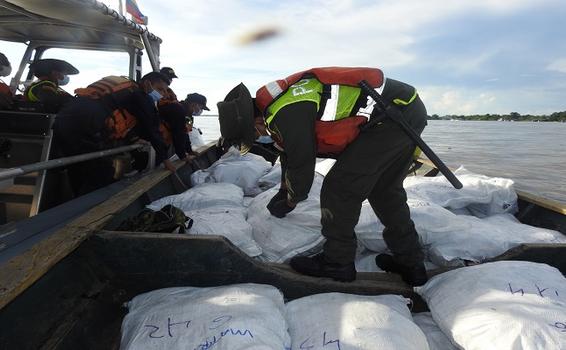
{"x": 55, "y": 163}
{"x": 410, "y": 132}
{"x": 150, "y": 53}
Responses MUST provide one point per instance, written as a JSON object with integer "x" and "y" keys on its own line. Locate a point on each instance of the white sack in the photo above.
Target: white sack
{"x": 428, "y": 217}
{"x": 482, "y": 239}
{"x": 436, "y": 339}
{"x": 203, "y": 196}
{"x": 271, "y": 179}
{"x": 297, "y": 233}
{"x": 482, "y": 195}
{"x": 195, "y": 136}
{"x": 353, "y": 322}
{"x": 501, "y": 306}
{"x": 241, "y": 170}
{"x": 229, "y": 222}
{"x": 237, "y": 317}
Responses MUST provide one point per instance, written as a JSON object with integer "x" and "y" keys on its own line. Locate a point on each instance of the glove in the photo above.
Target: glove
{"x": 281, "y": 194}
{"x": 280, "y": 208}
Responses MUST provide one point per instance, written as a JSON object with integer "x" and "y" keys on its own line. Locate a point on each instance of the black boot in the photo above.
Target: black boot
{"x": 413, "y": 275}
{"x": 317, "y": 266}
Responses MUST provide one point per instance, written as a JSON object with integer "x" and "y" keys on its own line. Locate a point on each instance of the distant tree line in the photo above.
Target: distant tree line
{"x": 513, "y": 116}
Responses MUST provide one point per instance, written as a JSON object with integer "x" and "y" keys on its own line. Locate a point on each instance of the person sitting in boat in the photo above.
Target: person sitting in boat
{"x": 51, "y": 75}
{"x": 318, "y": 113}
{"x": 108, "y": 113}
{"x": 169, "y": 73}
{"x": 172, "y": 116}
{"x": 5, "y": 93}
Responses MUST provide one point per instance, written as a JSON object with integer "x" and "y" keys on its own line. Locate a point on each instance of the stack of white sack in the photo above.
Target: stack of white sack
{"x": 482, "y": 239}
{"x": 241, "y": 170}
{"x": 216, "y": 209}
{"x": 436, "y": 339}
{"x": 353, "y": 322}
{"x": 481, "y": 195}
{"x": 236, "y": 317}
{"x": 501, "y": 306}
{"x": 450, "y": 239}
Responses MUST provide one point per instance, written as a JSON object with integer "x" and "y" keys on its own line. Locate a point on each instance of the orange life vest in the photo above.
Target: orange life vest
{"x": 120, "y": 122}
{"x": 165, "y": 131}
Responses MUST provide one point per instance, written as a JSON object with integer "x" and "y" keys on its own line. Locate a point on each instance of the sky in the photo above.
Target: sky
{"x": 463, "y": 56}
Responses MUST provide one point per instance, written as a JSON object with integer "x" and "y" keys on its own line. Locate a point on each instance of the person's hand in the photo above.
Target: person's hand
{"x": 281, "y": 194}
{"x": 189, "y": 157}
{"x": 281, "y": 208}
{"x": 169, "y": 165}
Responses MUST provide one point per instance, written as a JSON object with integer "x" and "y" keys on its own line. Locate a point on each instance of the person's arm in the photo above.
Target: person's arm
{"x": 295, "y": 125}
{"x": 174, "y": 115}
{"x": 144, "y": 110}
{"x": 51, "y": 98}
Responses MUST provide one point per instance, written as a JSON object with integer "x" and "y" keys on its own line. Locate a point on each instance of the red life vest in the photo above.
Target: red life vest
{"x": 332, "y": 137}
{"x": 350, "y": 76}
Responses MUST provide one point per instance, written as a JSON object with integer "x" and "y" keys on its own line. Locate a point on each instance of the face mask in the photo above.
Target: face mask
{"x": 5, "y": 71}
{"x": 64, "y": 81}
{"x": 264, "y": 139}
{"x": 155, "y": 96}
{"x": 197, "y": 112}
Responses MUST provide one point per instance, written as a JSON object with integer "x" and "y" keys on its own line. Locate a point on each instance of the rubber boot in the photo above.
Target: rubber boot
{"x": 318, "y": 266}
{"x": 412, "y": 275}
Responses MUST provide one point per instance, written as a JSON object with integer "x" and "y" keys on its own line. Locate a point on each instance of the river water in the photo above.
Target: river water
{"x": 532, "y": 154}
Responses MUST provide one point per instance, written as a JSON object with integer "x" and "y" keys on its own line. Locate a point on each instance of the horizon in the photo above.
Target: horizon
{"x": 464, "y": 58}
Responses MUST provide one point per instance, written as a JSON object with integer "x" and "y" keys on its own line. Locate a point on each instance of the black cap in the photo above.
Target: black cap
{"x": 197, "y": 98}
{"x": 4, "y": 60}
{"x": 46, "y": 66}
{"x": 168, "y": 72}
{"x": 236, "y": 117}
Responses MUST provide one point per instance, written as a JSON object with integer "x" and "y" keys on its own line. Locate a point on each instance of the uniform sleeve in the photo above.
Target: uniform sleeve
{"x": 51, "y": 98}
{"x": 295, "y": 125}
{"x": 174, "y": 115}
{"x": 145, "y": 112}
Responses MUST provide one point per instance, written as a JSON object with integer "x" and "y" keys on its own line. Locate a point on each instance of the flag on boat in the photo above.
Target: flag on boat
{"x": 133, "y": 9}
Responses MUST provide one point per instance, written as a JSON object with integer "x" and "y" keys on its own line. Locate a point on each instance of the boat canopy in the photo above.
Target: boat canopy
{"x": 73, "y": 24}
{"x": 86, "y": 23}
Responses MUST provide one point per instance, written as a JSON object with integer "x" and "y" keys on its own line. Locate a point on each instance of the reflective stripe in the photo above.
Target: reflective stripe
{"x": 380, "y": 89}
{"x": 399, "y": 101}
{"x": 274, "y": 89}
{"x": 331, "y": 104}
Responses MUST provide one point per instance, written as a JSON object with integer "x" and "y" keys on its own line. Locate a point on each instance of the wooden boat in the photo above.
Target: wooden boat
{"x": 67, "y": 291}
{"x": 65, "y": 274}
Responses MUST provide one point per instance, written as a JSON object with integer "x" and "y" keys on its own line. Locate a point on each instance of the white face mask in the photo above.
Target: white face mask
{"x": 5, "y": 71}
{"x": 155, "y": 96}
{"x": 64, "y": 81}
{"x": 197, "y": 112}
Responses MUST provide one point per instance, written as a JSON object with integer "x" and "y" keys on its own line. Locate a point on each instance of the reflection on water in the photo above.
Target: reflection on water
{"x": 532, "y": 154}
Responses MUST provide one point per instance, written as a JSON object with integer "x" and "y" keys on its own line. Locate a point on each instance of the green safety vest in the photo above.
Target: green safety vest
{"x": 311, "y": 90}
{"x": 342, "y": 100}
{"x": 30, "y": 96}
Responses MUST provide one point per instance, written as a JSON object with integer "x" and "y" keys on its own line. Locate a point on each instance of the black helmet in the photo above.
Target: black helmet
{"x": 236, "y": 117}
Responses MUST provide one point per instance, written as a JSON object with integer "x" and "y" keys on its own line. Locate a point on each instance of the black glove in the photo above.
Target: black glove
{"x": 280, "y": 208}
{"x": 281, "y": 194}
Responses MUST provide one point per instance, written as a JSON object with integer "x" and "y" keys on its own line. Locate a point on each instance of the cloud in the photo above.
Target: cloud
{"x": 558, "y": 65}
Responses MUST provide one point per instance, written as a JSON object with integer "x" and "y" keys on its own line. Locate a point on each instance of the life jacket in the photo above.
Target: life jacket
{"x": 29, "y": 93}
{"x": 109, "y": 89}
{"x": 165, "y": 131}
{"x": 336, "y": 93}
